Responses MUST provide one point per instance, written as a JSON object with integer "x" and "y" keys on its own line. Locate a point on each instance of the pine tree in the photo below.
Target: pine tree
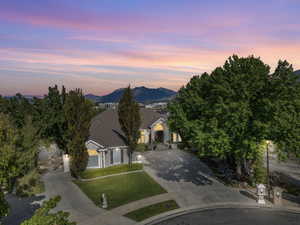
{"x": 130, "y": 121}
{"x": 78, "y": 113}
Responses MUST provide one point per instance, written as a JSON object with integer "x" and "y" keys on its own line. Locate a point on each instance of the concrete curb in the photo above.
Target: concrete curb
{"x": 229, "y": 205}
{"x": 112, "y": 175}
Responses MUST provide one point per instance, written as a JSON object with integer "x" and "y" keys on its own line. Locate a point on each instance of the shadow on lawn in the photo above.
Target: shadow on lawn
{"x": 21, "y": 208}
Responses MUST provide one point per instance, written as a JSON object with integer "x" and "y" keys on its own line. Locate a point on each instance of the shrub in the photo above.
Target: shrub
{"x": 30, "y": 184}
{"x": 44, "y": 216}
{"x": 4, "y": 207}
{"x": 142, "y": 147}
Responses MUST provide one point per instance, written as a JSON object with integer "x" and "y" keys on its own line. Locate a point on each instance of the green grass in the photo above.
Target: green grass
{"x": 92, "y": 173}
{"x": 122, "y": 189}
{"x": 152, "y": 210}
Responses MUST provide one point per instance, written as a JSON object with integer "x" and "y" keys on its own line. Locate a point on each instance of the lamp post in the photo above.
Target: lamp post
{"x": 268, "y": 170}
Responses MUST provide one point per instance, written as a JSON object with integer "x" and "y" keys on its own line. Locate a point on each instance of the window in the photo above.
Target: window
{"x": 93, "y": 161}
{"x": 111, "y": 157}
{"x": 122, "y": 156}
{"x": 117, "y": 155}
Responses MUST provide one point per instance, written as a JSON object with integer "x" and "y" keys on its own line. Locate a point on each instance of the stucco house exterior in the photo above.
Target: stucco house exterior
{"x": 106, "y": 146}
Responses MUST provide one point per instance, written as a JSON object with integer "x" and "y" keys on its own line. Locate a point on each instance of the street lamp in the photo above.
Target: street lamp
{"x": 268, "y": 170}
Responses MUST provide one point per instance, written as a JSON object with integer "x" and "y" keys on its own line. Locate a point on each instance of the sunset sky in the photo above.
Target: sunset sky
{"x": 101, "y": 45}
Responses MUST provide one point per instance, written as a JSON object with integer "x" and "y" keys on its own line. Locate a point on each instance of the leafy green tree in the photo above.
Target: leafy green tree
{"x": 9, "y": 169}
{"x": 284, "y": 110}
{"x": 4, "y": 207}
{"x": 18, "y": 108}
{"x": 43, "y": 216}
{"x": 230, "y": 112}
{"x": 130, "y": 121}
{"x": 27, "y": 144}
{"x": 51, "y": 111}
{"x": 18, "y": 150}
{"x": 78, "y": 112}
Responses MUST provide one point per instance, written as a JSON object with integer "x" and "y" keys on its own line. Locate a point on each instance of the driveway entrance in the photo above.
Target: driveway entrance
{"x": 188, "y": 179}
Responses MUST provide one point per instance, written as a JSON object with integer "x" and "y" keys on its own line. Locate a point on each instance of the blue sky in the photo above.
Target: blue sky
{"x": 103, "y": 45}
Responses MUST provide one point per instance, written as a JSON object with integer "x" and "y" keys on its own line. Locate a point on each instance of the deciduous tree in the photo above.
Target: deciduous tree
{"x": 228, "y": 113}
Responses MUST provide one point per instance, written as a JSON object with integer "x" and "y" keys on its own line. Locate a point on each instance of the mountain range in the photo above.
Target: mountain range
{"x": 141, "y": 95}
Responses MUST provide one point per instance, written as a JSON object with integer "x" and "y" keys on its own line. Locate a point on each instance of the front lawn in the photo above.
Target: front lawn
{"x": 152, "y": 210}
{"x": 121, "y": 189}
{"x": 92, "y": 173}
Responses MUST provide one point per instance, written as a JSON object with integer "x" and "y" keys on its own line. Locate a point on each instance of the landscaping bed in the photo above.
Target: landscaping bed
{"x": 122, "y": 189}
{"x": 30, "y": 185}
{"x": 93, "y": 173}
{"x": 152, "y": 210}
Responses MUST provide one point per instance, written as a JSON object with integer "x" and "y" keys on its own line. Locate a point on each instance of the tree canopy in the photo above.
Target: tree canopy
{"x": 228, "y": 113}
{"x": 18, "y": 150}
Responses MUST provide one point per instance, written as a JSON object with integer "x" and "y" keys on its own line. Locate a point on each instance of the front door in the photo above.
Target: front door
{"x": 159, "y": 136}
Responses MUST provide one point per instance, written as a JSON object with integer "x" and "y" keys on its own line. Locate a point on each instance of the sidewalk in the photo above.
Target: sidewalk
{"x": 73, "y": 200}
{"x": 122, "y": 210}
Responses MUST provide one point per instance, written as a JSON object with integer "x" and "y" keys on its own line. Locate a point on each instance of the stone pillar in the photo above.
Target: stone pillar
{"x": 261, "y": 193}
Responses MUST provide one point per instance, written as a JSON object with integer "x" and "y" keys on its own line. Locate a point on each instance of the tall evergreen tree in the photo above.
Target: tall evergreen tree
{"x": 130, "y": 121}
{"x": 78, "y": 112}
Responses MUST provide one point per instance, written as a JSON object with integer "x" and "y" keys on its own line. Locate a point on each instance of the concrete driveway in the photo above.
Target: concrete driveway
{"x": 189, "y": 180}
{"x": 81, "y": 208}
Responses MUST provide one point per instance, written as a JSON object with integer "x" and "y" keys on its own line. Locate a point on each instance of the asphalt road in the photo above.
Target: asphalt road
{"x": 235, "y": 217}
{"x": 21, "y": 208}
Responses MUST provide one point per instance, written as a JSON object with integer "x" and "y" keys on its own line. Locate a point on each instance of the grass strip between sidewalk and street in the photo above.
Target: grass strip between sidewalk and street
{"x": 152, "y": 210}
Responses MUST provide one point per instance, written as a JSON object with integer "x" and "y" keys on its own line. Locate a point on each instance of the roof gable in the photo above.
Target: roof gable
{"x": 105, "y": 128}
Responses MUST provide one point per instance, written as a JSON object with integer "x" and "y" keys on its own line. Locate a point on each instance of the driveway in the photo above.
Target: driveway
{"x": 189, "y": 180}
{"x": 81, "y": 208}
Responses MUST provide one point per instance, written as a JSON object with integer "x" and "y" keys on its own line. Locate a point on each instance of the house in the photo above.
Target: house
{"x": 106, "y": 146}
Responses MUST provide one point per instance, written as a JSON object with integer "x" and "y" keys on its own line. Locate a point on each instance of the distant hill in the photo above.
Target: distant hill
{"x": 141, "y": 94}
{"x": 297, "y": 72}
{"x": 93, "y": 98}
